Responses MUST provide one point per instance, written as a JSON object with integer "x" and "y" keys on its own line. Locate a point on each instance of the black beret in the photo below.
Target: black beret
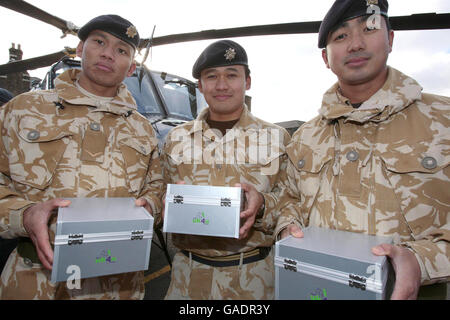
{"x": 343, "y": 10}
{"x": 219, "y": 54}
{"x": 113, "y": 24}
{"x": 5, "y": 96}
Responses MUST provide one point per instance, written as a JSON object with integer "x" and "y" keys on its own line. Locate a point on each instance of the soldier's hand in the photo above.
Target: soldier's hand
{"x": 254, "y": 201}
{"x": 292, "y": 230}
{"x": 141, "y": 202}
{"x": 407, "y": 271}
{"x": 35, "y": 222}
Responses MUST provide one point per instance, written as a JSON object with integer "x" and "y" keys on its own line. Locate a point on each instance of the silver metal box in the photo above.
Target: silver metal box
{"x": 101, "y": 236}
{"x": 331, "y": 265}
{"x": 203, "y": 210}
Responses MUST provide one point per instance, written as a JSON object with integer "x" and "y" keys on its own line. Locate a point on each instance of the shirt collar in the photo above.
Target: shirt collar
{"x": 68, "y": 91}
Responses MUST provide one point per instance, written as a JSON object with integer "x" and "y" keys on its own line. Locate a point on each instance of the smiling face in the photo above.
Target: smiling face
{"x": 224, "y": 90}
{"x": 105, "y": 62}
{"x": 358, "y": 54}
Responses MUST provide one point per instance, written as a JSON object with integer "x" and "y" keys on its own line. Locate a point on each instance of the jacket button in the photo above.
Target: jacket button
{"x": 95, "y": 126}
{"x": 301, "y": 164}
{"x": 429, "y": 163}
{"x": 33, "y": 135}
{"x": 28, "y": 262}
{"x": 352, "y": 156}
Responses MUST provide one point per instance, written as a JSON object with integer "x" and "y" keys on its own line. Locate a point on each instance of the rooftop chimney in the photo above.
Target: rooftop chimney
{"x": 15, "y": 54}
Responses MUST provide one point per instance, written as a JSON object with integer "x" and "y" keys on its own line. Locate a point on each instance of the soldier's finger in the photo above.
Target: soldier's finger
{"x": 384, "y": 250}
{"x": 47, "y": 263}
{"x": 389, "y": 251}
{"x": 295, "y": 231}
{"x": 43, "y": 248}
{"x": 243, "y": 231}
{"x": 248, "y": 213}
{"x": 141, "y": 202}
{"x": 59, "y": 203}
{"x": 252, "y": 204}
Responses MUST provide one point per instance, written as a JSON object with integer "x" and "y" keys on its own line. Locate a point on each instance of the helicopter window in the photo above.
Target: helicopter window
{"x": 144, "y": 95}
{"x": 179, "y": 94}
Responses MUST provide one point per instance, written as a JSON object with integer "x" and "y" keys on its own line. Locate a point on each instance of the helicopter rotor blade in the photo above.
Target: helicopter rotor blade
{"x": 425, "y": 21}
{"x": 35, "y": 63}
{"x": 25, "y": 8}
{"x": 271, "y": 29}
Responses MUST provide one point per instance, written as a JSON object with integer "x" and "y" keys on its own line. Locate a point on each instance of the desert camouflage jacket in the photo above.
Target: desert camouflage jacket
{"x": 381, "y": 169}
{"x": 62, "y": 143}
{"x": 252, "y": 152}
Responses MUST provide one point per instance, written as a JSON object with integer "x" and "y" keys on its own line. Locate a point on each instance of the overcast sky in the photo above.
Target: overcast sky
{"x": 288, "y": 74}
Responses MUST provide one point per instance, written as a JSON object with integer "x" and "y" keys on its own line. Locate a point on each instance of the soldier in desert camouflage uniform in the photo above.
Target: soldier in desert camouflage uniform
{"x": 197, "y": 154}
{"x": 82, "y": 139}
{"x": 376, "y": 159}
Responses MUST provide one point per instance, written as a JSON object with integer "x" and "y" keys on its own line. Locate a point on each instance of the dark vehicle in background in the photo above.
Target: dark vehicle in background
{"x": 166, "y": 100}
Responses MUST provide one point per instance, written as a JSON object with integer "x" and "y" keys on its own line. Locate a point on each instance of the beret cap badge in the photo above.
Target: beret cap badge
{"x": 131, "y": 31}
{"x": 372, "y": 2}
{"x": 230, "y": 54}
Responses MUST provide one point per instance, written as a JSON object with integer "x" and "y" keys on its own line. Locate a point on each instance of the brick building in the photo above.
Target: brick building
{"x": 15, "y": 82}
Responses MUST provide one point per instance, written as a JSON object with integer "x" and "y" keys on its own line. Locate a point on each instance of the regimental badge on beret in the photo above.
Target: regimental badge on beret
{"x": 230, "y": 54}
{"x": 131, "y": 32}
{"x": 372, "y": 2}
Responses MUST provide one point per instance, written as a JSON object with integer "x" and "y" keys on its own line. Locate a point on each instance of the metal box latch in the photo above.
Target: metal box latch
{"x": 357, "y": 281}
{"x": 290, "y": 265}
{"x": 178, "y": 199}
{"x": 76, "y": 238}
{"x": 225, "y": 202}
{"x": 137, "y": 235}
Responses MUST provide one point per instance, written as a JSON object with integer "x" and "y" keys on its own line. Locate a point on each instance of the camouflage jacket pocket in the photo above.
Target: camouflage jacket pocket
{"x": 136, "y": 153}
{"x": 36, "y": 152}
{"x": 421, "y": 183}
{"x": 262, "y": 164}
{"x": 310, "y": 166}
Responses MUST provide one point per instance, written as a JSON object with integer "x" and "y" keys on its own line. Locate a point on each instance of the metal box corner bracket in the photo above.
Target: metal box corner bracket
{"x": 101, "y": 236}
{"x": 330, "y": 264}
{"x": 203, "y": 210}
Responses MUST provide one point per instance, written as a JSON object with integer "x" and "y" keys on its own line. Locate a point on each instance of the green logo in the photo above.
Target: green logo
{"x": 319, "y": 295}
{"x": 105, "y": 257}
{"x": 201, "y": 218}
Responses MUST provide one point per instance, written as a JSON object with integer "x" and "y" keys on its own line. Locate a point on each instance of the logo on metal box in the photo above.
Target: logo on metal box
{"x": 201, "y": 218}
{"x": 319, "y": 294}
{"x": 105, "y": 257}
